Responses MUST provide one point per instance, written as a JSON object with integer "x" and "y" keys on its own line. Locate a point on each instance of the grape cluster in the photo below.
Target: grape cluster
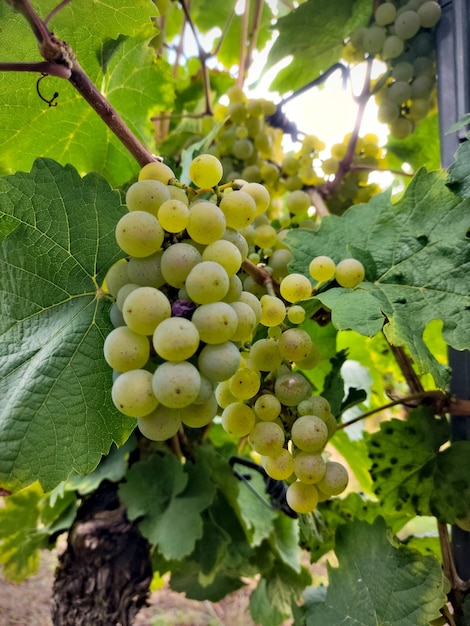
{"x": 401, "y": 34}
{"x": 183, "y": 346}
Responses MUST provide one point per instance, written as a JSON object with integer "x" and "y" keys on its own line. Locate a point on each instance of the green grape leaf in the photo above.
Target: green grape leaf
{"x": 313, "y": 35}
{"x": 255, "y": 511}
{"x": 285, "y": 541}
{"x": 56, "y": 411}
{"x": 421, "y": 249}
{"x": 170, "y": 504}
{"x": 405, "y": 592}
{"x": 459, "y": 171}
{"x": 277, "y": 590}
{"x": 20, "y": 535}
{"x": 135, "y": 83}
{"x": 410, "y": 473}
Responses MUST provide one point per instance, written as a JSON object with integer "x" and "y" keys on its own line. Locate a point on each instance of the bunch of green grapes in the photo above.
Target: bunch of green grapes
{"x": 402, "y": 35}
{"x": 180, "y": 312}
{"x": 183, "y": 348}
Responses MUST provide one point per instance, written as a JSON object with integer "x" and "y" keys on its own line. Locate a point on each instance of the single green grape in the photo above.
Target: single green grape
{"x": 157, "y": 170}
{"x": 176, "y": 339}
{"x": 132, "y": 393}
{"x": 302, "y": 497}
{"x": 207, "y": 282}
{"x": 238, "y": 419}
{"x": 176, "y": 384}
{"x": 280, "y": 466}
{"x": 206, "y": 171}
{"x": 139, "y": 234}
{"x": 322, "y": 268}
{"x": 349, "y": 273}
{"x": 161, "y": 424}
{"x": 267, "y": 438}
{"x": 126, "y": 350}
{"x": 309, "y": 433}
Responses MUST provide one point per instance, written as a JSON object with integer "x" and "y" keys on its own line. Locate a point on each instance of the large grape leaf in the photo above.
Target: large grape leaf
{"x": 377, "y": 582}
{"x": 417, "y": 257}
{"x": 57, "y": 242}
{"x": 170, "y": 498}
{"x": 113, "y": 49}
{"x": 412, "y": 476}
{"x": 313, "y": 35}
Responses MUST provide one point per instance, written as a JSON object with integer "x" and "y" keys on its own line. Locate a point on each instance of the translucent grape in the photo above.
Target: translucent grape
{"x": 238, "y": 419}
{"x": 176, "y": 339}
{"x": 239, "y": 209}
{"x": 309, "y": 433}
{"x": 176, "y": 385}
{"x": 132, "y": 393}
{"x": 388, "y": 112}
{"x": 267, "y": 407}
{"x": 253, "y": 302}
{"x": 245, "y": 383}
{"x": 144, "y": 309}
{"x": 205, "y": 171}
{"x": 235, "y": 289}
{"x": 273, "y": 310}
{"x": 349, "y": 273}
{"x": 267, "y": 438}
{"x": 403, "y": 71}
{"x": 429, "y": 14}
{"x": 294, "y": 344}
{"x": 295, "y": 287}
{"x": 219, "y": 361}
{"x": 385, "y": 13}
{"x": 322, "y": 268}
{"x": 125, "y": 350}
{"x": 139, "y": 234}
{"x": 401, "y": 128}
{"x": 309, "y": 467}
{"x": 162, "y": 424}
{"x": 207, "y": 282}
{"x": 407, "y": 24}
{"x": 156, "y": 171}
{"x": 116, "y": 277}
{"x": 223, "y": 394}
{"x": 199, "y": 415}
{"x": 215, "y": 322}
{"x": 392, "y": 47}
{"x": 372, "y": 41}
{"x": 335, "y": 479}
{"x": 225, "y": 253}
{"x": 265, "y": 355}
{"x": 177, "y": 261}
{"x": 399, "y": 92}
{"x": 238, "y": 240}
{"x": 280, "y": 466}
{"x": 291, "y": 388}
{"x": 206, "y": 222}
{"x": 242, "y": 149}
{"x": 260, "y": 195}
{"x": 298, "y": 202}
{"x": 296, "y": 314}
{"x": 265, "y": 236}
{"x": 147, "y": 195}
{"x": 123, "y": 293}
{"x": 173, "y": 215}
{"x": 315, "y": 405}
{"x": 246, "y": 322}
{"x": 422, "y": 87}
{"x": 115, "y": 316}
{"x": 146, "y": 271}
{"x": 301, "y": 497}
{"x": 279, "y": 261}
{"x": 311, "y": 360}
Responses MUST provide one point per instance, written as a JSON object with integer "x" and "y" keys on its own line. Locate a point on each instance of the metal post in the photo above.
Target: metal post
{"x": 453, "y": 70}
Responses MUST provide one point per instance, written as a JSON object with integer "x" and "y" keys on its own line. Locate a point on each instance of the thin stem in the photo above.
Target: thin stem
{"x": 260, "y": 275}
{"x": 202, "y": 54}
{"x": 58, "y": 8}
{"x": 254, "y": 32}
{"x": 369, "y": 168}
{"x": 345, "y": 164}
{"x": 243, "y": 43}
{"x": 43, "y": 67}
{"x": 436, "y": 395}
{"x": 406, "y": 367}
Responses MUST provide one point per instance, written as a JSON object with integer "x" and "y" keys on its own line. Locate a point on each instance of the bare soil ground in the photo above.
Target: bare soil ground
{"x": 28, "y": 604}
